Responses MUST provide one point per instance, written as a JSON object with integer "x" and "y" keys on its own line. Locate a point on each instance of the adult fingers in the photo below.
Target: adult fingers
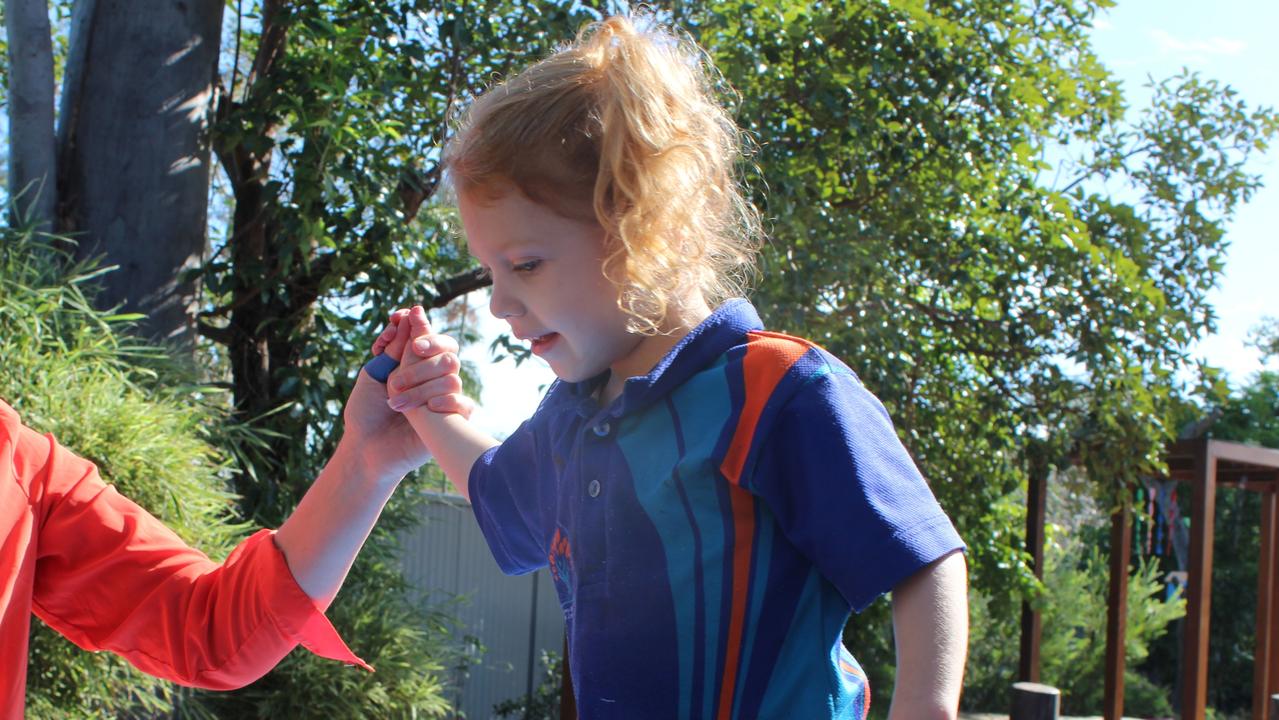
{"x": 389, "y": 334}
{"x": 395, "y": 348}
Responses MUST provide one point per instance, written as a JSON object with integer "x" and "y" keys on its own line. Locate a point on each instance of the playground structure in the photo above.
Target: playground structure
{"x": 1205, "y": 464}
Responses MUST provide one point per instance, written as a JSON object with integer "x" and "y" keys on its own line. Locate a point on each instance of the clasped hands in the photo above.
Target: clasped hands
{"x": 427, "y": 376}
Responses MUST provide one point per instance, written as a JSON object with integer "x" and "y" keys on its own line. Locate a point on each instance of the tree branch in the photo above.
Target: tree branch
{"x": 449, "y": 289}
{"x": 271, "y": 46}
{"x": 219, "y": 335}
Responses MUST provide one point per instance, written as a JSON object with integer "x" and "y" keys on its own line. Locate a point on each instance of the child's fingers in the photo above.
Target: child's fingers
{"x": 408, "y": 376}
{"x": 420, "y": 395}
{"x": 452, "y": 403}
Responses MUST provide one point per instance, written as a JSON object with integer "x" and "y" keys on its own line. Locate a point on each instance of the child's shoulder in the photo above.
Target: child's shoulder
{"x": 789, "y": 385}
{"x": 773, "y": 361}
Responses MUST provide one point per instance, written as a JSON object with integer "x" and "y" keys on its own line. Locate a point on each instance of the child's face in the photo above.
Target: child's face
{"x": 548, "y": 283}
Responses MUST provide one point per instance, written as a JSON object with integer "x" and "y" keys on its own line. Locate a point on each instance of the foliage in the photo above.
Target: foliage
{"x": 1266, "y": 337}
{"x": 544, "y": 703}
{"x": 1075, "y": 633}
{"x": 1074, "y": 624}
{"x": 74, "y": 371}
{"x": 1251, "y": 415}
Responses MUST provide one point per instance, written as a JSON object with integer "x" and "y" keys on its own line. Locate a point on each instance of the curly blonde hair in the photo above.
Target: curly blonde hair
{"x": 621, "y": 127}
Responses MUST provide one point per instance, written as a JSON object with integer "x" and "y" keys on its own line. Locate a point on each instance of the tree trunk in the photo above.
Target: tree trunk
{"x": 133, "y": 148}
{"x": 32, "y": 159}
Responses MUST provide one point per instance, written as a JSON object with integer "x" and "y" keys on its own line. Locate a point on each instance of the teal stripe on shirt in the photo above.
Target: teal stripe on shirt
{"x": 648, "y": 444}
{"x": 704, "y": 406}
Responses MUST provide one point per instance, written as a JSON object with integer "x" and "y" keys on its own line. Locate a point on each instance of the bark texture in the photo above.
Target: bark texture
{"x": 134, "y": 150}
{"x": 32, "y": 155}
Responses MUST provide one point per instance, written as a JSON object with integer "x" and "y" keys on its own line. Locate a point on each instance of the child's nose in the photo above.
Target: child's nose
{"x": 503, "y": 304}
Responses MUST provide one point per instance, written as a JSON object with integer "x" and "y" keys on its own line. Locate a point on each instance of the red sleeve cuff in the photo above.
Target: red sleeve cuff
{"x": 294, "y": 612}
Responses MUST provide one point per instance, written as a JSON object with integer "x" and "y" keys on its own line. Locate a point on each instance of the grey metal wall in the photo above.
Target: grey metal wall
{"x": 514, "y": 618}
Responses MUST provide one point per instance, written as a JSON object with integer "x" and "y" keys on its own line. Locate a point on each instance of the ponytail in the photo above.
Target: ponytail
{"x": 622, "y": 128}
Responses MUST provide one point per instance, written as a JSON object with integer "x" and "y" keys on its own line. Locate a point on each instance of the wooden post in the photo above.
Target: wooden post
{"x": 1031, "y": 626}
{"x": 1117, "y": 611}
{"x": 1273, "y": 680}
{"x": 1263, "y": 655}
{"x": 1032, "y": 701}
{"x": 1194, "y": 691}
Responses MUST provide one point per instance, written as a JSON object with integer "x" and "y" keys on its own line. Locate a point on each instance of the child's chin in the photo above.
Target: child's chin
{"x": 576, "y": 375}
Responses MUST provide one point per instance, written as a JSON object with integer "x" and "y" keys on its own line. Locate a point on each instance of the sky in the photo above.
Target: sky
{"x": 1230, "y": 41}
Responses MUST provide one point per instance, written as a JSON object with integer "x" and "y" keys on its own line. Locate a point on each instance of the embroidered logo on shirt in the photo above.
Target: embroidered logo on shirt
{"x": 561, "y": 563}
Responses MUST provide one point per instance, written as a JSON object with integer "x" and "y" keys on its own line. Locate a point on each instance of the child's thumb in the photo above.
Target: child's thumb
{"x": 418, "y": 327}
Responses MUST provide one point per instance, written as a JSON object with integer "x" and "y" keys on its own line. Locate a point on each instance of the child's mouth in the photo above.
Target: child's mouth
{"x": 542, "y": 343}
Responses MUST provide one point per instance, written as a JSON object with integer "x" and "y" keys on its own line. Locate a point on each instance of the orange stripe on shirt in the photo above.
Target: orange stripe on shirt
{"x": 768, "y": 357}
{"x": 743, "y": 550}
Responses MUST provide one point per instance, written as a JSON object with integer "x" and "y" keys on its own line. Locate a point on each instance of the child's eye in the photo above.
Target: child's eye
{"x": 526, "y": 266}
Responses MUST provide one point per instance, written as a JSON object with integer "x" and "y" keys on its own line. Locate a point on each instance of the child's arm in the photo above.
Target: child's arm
{"x": 452, "y": 439}
{"x": 930, "y": 623}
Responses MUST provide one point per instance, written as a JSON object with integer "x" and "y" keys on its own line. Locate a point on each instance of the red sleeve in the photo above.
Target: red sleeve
{"x": 109, "y": 576}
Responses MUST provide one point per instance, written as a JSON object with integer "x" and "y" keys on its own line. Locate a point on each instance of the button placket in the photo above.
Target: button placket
{"x": 601, "y": 431}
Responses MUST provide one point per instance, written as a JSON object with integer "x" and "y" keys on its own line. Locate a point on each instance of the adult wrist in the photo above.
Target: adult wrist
{"x": 357, "y": 465}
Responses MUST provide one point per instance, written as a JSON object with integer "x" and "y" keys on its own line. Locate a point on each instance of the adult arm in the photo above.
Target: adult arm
{"x": 378, "y": 448}
{"x": 109, "y": 576}
{"x": 112, "y": 577}
{"x": 930, "y": 626}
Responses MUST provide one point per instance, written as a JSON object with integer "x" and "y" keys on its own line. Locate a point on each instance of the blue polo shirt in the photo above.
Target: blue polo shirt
{"x": 710, "y": 530}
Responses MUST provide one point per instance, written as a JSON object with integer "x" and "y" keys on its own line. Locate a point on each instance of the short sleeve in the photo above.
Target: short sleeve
{"x": 513, "y": 503}
{"x": 845, "y": 491}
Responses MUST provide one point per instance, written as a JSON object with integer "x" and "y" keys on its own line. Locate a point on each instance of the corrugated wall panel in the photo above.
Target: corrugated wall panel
{"x": 513, "y": 618}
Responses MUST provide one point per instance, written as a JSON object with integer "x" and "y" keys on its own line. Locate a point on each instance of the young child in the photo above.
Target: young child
{"x": 712, "y": 499}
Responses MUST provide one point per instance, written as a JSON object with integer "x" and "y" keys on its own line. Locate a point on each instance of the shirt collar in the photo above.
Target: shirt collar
{"x": 703, "y": 345}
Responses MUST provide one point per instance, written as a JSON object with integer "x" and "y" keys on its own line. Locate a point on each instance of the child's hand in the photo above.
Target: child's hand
{"x": 428, "y": 373}
{"x": 435, "y": 383}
